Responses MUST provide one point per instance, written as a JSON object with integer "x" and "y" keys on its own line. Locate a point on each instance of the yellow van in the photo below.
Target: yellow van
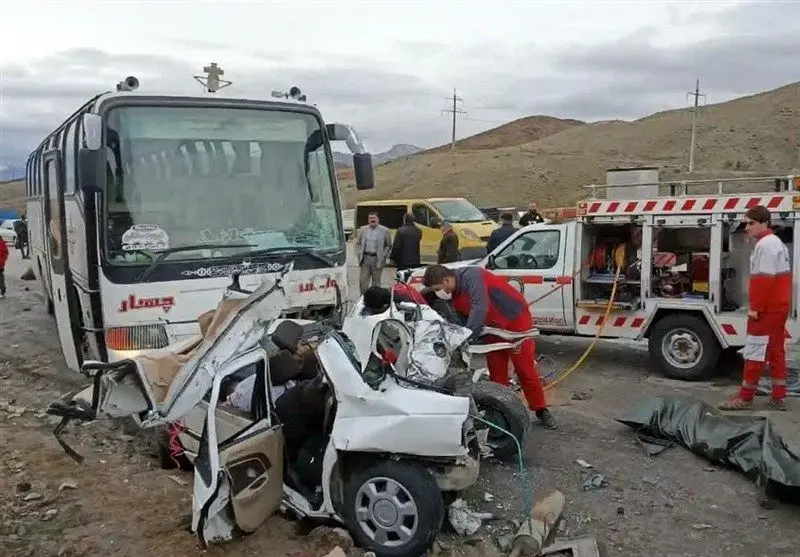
{"x": 469, "y": 223}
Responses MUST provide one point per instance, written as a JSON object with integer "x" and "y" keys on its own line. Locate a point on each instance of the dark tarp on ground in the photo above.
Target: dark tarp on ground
{"x": 746, "y": 443}
{"x": 792, "y": 383}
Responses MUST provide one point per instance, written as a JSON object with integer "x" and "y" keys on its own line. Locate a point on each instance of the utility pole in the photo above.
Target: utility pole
{"x": 455, "y": 112}
{"x": 696, "y": 94}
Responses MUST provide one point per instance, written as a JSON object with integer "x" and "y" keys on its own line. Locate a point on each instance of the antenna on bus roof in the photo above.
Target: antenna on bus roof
{"x": 211, "y": 81}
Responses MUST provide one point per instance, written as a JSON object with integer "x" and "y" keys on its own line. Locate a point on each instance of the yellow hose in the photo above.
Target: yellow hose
{"x": 619, "y": 259}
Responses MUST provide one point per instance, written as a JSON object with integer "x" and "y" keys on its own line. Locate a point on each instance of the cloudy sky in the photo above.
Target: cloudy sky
{"x": 386, "y": 67}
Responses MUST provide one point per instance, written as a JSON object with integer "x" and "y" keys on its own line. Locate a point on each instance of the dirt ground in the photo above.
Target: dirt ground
{"x": 119, "y": 502}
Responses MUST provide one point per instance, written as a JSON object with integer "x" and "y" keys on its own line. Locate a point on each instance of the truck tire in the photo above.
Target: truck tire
{"x": 684, "y": 346}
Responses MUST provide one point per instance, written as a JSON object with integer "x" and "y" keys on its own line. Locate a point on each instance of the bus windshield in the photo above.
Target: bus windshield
{"x": 458, "y": 210}
{"x": 182, "y": 176}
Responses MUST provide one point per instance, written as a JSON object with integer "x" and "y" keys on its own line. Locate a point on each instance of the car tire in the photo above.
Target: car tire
{"x": 684, "y": 347}
{"x": 369, "y": 502}
{"x": 501, "y": 406}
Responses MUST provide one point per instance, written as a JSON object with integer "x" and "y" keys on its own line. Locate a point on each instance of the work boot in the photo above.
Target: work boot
{"x": 776, "y": 404}
{"x": 736, "y": 403}
{"x": 546, "y": 418}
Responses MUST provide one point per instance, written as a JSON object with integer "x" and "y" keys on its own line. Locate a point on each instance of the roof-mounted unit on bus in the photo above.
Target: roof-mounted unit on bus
{"x": 212, "y": 81}
{"x": 294, "y": 93}
{"x": 130, "y": 83}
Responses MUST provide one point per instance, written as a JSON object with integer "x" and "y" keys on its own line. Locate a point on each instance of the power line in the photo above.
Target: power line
{"x": 455, "y": 111}
{"x": 696, "y": 94}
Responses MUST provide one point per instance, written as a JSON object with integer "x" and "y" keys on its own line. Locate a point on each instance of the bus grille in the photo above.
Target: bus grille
{"x": 137, "y": 337}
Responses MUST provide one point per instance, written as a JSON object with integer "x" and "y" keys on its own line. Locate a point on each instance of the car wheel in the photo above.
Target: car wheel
{"x": 393, "y": 508}
{"x": 684, "y": 347}
{"x": 502, "y": 407}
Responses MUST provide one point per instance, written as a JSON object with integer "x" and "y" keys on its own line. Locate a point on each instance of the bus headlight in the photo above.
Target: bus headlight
{"x": 137, "y": 337}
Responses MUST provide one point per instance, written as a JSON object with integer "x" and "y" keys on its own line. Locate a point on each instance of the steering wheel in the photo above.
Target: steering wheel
{"x": 528, "y": 261}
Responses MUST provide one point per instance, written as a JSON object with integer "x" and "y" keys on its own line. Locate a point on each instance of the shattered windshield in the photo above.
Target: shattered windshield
{"x": 181, "y": 176}
{"x": 458, "y": 210}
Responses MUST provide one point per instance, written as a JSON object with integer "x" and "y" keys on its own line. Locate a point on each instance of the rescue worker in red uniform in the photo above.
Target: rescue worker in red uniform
{"x": 770, "y": 298}
{"x": 486, "y": 299}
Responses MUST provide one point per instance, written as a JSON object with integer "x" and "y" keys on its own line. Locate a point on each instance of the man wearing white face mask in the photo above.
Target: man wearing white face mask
{"x": 487, "y": 299}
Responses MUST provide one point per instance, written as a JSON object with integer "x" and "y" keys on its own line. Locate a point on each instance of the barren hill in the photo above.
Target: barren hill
{"x": 516, "y": 132}
{"x": 345, "y": 160}
{"x": 755, "y": 134}
{"x": 12, "y": 195}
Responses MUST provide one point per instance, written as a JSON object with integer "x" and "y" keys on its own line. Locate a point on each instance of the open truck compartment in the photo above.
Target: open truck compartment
{"x": 598, "y": 274}
{"x": 680, "y": 262}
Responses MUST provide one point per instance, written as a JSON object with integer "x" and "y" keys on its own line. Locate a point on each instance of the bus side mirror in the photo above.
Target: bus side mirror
{"x": 91, "y": 169}
{"x": 364, "y": 173}
{"x": 435, "y": 222}
{"x": 337, "y": 132}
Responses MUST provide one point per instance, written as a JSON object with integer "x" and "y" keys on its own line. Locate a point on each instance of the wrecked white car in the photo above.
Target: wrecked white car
{"x": 279, "y": 412}
{"x": 434, "y": 353}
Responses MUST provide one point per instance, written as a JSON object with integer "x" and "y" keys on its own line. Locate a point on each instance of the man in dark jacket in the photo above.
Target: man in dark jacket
{"x": 531, "y": 217}
{"x": 500, "y": 235}
{"x": 21, "y": 230}
{"x": 448, "y": 246}
{"x": 405, "y": 248}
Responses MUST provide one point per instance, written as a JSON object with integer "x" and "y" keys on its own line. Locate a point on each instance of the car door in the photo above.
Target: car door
{"x": 534, "y": 262}
{"x": 245, "y": 470}
{"x": 231, "y": 419}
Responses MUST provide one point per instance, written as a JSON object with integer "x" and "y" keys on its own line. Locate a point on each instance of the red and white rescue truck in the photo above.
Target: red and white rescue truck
{"x": 683, "y": 283}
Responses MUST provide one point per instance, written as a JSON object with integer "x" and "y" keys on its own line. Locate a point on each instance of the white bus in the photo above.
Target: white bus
{"x": 141, "y": 207}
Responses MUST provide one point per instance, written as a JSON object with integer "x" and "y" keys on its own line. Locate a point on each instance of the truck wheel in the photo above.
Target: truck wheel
{"x": 393, "y": 508}
{"x": 684, "y": 347}
{"x": 501, "y": 406}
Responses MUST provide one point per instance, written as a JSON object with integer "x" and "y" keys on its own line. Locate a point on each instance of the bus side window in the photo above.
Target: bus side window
{"x": 53, "y": 228}
{"x": 69, "y": 157}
